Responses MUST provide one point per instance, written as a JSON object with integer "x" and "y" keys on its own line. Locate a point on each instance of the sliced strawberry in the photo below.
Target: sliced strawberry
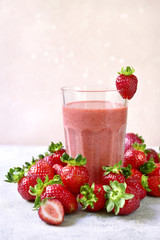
{"x": 52, "y": 212}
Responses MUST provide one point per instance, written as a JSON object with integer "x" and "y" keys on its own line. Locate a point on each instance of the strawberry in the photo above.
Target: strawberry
{"x": 137, "y": 186}
{"x": 112, "y": 173}
{"x": 92, "y": 197}
{"x": 55, "y": 151}
{"x": 154, "y": 186}
{"x": 136, "y": 156}
{"x": 120, "y": 198}
{"x": 126, "y": 82}
{"x": 156, "y": 171}
{"x": 17, "y": 175}
{"x": 57, "y": 169}
{"x": 24, "y": 186}
{"x": 150, "y": 168}
{"x": 41, "y": 168}
{"x": 75, "y": 174}
{"x": 152, "y": 154}
{"x": 132, "y": 138}
{"x": 51, "y": 211}
{"x": 132, "y": 173}
{"x": 54, "y": 189}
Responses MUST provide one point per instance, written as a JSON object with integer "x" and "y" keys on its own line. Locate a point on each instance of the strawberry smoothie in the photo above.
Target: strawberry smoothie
{"x": 96, "y": 129}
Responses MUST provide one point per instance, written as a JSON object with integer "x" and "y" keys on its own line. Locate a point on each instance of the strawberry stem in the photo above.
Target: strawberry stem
{"x": 115, "y": 169}
{"x": 116, "y": 196}
{"x": 127, "y": 71}
{"x": 148, "y": 167}
{"x": 89, "y": 198}
{"x": 77, "y": 161}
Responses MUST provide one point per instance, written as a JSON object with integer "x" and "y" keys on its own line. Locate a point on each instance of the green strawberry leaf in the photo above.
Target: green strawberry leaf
{"x": 89, "y": 197}
{"x": 77, "y": 161}
{"x": 116, "y": 196}
{"x": 127, "y": 71}
{"x": 144, "y": 182}
{"x": 53, "y": 147}
{"x": 14, "y": 175}
{"x": 115, "y": 169}
{"x": 148, "y": 167}
{"x": 39, "y": 187}
{"x": 140, "y": 138}
{"x": 126, "y": 171}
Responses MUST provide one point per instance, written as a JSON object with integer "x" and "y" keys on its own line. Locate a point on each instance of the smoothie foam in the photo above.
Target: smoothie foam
{"x": 95, "y": 129}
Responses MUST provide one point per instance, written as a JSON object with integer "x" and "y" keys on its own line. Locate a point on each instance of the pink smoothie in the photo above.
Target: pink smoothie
{"x": 96, "y": 129}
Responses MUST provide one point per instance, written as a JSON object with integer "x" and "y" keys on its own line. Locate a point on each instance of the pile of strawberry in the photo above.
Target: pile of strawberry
{"x": 57, "y": 182}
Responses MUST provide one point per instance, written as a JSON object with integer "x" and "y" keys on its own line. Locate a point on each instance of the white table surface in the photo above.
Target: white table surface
{"x": 19, "y": 222}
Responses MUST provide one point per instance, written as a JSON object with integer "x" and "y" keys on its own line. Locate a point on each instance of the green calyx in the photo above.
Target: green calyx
{"x": 148, "y": 167}
{"x": 77, "y": 161}
{"x": 140, "y": 147}
{"x": 15, "y": 174}
{"x": 141, "y": 138}
{"x": 144, "y": 182}
{"x": 53, "y": 147}
{"x": 89, "y": 197}
{"x": 126, "y": 171}
{"x": 127, "y": 71}
{"x": 38, "y": 189}
{"x": 115, "y": 169}
{"x": 116, "y": 196}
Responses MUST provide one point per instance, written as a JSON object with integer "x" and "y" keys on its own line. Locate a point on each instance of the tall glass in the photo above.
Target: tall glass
{"x": 95, "y": 121}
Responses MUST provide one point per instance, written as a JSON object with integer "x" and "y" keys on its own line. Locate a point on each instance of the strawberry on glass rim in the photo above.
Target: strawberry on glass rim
{"x": 126, "y": 82}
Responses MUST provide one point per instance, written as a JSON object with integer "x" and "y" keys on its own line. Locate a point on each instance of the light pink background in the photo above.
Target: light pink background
{"x": 45, "y": 45}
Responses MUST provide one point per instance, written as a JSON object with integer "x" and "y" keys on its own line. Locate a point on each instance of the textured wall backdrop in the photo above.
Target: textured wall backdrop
{"x": 45, "y": 45}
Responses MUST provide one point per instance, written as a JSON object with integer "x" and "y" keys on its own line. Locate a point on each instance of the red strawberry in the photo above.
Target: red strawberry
{"x": 135, "y": 175}
{"x": 92, "y": 197}
{"x": 24, "y": 186}
{"x": 154, "y": 186}
{"x": 137, "y": 186}
{"x": 54, "y": 189}
{"x": 155, "y": 171}
{"x": 132, "y": 138}
{"x": 130, "y": 205}
{"x": 51, "y": 212}
{"x": 55, "y": 151}
{"x": 149, "y": 168}
{"x": 126, "y": 83}
{"x": 57, "y": 169}
{"x": 41, "y": 168}
{"x": 17, "y": 175}
{"x": 74, "y": 175}
{"x": 120, "y": 198}
{"x": 136, "y": 156}
{"x": 152, "y": 154}
{"x": 114, "y": 173}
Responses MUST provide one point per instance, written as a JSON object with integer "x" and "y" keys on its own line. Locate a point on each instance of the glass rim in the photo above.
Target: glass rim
{"x": 90, "y": 88}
